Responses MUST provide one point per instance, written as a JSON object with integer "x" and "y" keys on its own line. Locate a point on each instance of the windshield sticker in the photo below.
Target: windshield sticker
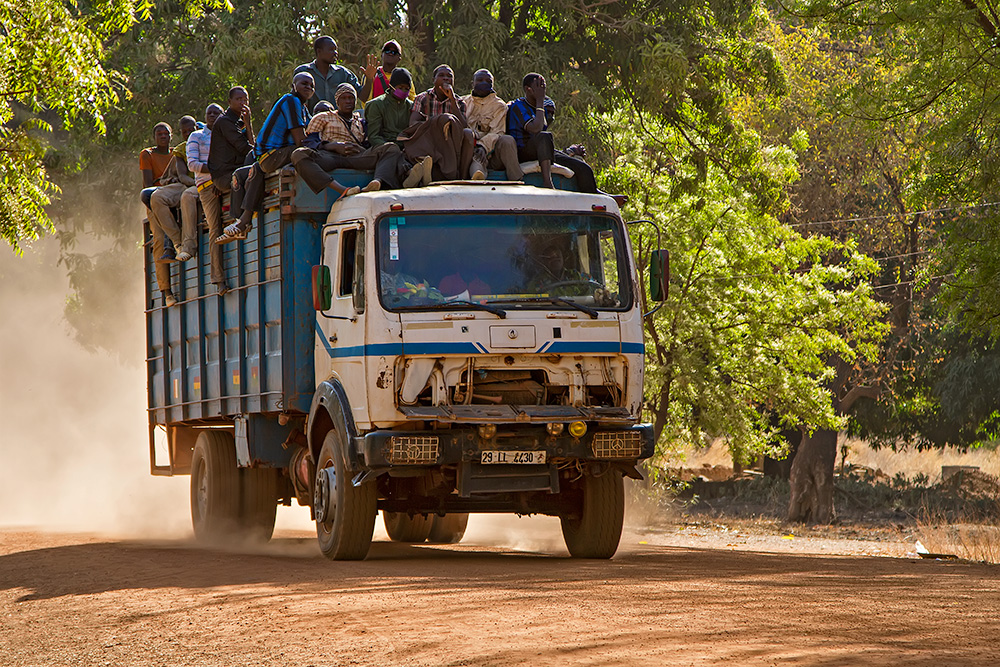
{"x": 393, "y": 240}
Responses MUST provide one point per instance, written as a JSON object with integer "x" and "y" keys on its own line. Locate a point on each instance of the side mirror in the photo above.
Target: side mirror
{"x": 659, "y": 274}
{"x": 322, "y": 287}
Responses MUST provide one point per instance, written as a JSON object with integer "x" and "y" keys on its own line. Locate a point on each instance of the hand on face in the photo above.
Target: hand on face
{"x": 443, "y": 82}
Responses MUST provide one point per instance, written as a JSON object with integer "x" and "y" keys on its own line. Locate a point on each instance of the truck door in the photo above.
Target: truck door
{"x": 342, "y": 328}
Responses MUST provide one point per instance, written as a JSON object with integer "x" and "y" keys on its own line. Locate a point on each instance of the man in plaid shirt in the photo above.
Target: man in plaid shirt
{"x": 439, "y": 129}
{"x": 341, "y": 142}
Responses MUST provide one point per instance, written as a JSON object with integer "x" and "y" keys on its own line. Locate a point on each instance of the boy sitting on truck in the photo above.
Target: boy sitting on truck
{"x": 344, "y": 145}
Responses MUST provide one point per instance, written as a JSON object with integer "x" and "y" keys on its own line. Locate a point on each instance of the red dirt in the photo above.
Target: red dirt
{"x": 81, "y": 600}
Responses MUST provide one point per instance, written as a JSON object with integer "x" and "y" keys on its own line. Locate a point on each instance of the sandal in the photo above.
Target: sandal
{"x": 234, "y": 232}
{"x": 353, "y": 190}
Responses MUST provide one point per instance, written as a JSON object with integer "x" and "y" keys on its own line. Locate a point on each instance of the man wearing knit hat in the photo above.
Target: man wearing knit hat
{"x": 344, "y": 145}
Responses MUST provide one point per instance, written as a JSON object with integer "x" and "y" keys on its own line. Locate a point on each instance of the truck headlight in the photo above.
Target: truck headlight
{"x": 578, "y": 429}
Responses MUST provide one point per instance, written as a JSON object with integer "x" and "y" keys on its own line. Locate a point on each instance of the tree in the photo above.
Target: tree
{"x": 755, "y": 309}
{"x": 52, "y": 78}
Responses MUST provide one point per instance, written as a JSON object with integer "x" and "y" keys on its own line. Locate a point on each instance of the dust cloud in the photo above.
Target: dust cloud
{"x": 73, "y": 452}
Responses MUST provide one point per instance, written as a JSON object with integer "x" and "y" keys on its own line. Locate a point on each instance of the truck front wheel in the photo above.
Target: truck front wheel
{"x": 595, "y": 530}
{"x": 345, "y": 514}
{"x": 215, "y": 486}
{"x": 448, "y": 529}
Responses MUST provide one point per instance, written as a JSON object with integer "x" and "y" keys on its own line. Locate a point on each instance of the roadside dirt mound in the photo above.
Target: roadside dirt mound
{"x": 973, "y": 484}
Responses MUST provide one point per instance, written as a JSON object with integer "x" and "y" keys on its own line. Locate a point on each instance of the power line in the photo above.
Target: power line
{"x": 896, "y": 215}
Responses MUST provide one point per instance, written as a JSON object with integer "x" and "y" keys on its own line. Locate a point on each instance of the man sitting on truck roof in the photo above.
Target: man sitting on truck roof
{"x": 344, "y": 145}
{"x": 439, "y": 129}
{"x": 231, "y": 150}
{"x": 327, "y": 75}
{"x": 282, "y": 132}
{"x": 389, "y": 114}
{"x": 198, "y": 151}
{"x": 153, "y": 162}
{"x": 528, "y": 118}
{"x": 487, "y": 115}
{"x": 179, "y": 192}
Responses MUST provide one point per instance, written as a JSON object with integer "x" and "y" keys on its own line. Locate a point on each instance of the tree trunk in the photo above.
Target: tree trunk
{"x": 782, "y": 468}
{"x": 814, "y": 463}
{"x": 420, "y": 20}
{"x": 812, "y": 478}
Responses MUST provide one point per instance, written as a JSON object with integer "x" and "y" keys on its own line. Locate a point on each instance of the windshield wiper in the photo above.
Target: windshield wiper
{"x": 557, "y": 299}
{"x": 499, "y": 312}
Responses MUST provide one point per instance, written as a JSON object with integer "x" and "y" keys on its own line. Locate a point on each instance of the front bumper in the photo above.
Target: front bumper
{"x": 382, "y": 449}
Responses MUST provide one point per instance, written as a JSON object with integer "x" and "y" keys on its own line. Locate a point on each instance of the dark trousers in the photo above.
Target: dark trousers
{"x": 254, "y": 189}
{"x": 386, "y": 161}
{"x": 540, "y": 147}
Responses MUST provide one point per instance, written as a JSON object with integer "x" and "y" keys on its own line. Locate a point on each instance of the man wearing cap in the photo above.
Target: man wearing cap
{"x": 283, "y": 131}
{"x": 487, "y": 115}
{"x": 392, "y": 53}
{"x": 344, "y": 145}
{"x": 327, "y": 75}
{"x": 439, "y": 129}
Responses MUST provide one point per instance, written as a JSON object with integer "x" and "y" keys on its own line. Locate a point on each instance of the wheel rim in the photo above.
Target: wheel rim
{"x": 202, "y": 493}
{"x": 325, "y": 498}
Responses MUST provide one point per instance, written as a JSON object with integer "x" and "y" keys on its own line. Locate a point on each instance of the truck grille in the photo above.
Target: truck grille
{"x": 617, "y": 444}
{"x": 413, "y": 449}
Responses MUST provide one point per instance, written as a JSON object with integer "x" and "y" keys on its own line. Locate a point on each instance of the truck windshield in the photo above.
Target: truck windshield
{"x": 522, "y": 261}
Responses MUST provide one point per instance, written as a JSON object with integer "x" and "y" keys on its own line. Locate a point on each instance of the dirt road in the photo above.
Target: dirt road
{"x": 77, "y": 600}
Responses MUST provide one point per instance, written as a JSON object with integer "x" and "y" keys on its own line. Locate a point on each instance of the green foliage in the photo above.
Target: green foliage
{"x": 755, "y": 310}
{"x": 53, "y": 75}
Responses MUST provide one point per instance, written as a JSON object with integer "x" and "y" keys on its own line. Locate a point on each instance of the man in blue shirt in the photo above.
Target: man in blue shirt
{"x": 283, "y": 131}
{"x": 327, "y": 75}
{"x": 528, "y": 118}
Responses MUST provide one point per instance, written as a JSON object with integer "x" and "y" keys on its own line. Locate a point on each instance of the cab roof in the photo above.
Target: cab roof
{"x": 468, "y": 196}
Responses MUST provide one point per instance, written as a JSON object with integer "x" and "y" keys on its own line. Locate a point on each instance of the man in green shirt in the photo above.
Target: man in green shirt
{"x": 389, "y": 114}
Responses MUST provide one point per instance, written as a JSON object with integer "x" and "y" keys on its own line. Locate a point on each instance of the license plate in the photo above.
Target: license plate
{"x": 496, "y": 456}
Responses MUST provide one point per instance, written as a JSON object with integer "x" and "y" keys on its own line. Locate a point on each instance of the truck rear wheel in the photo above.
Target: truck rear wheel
{"x": 402, "y": 527}
{"x": 345, "y": 514}
{"x": 448, "y": 529}
{"x": 215, "y": 486}
{"x": 597, "y": 530}
{"x": 258, "y": 502}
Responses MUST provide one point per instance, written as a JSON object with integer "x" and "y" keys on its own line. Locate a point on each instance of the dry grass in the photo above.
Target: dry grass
{"x": 908, "y": 463}
{"x": 974, "y": 540}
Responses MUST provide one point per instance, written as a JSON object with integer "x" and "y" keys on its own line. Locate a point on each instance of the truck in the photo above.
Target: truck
{"x": 465, "y": 347}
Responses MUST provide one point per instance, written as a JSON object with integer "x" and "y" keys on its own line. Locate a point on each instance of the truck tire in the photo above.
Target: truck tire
{"x": 215, "y": 487}
{"x": 344, "y": 529}
{"x": 402, "y": 527}
{"x": 598, "y": 529}
{"x": 258, "y": 502}
{"x": 448, "y": 529}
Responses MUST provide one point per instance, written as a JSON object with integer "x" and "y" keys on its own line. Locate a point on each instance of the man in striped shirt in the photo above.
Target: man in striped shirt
{"x": 283, "y": 131}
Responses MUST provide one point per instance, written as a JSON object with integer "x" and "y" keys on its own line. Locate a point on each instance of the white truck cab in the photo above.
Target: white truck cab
{"x": 479, "y": 348}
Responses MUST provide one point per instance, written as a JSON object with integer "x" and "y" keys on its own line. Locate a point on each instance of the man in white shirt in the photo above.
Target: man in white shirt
{"x": 487, "y": 115}
{"x": 198, "y": 146}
